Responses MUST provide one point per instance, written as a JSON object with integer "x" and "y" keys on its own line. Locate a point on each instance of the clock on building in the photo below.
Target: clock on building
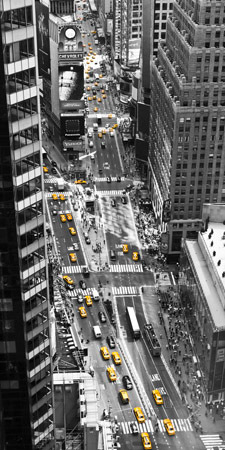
{"x": 70, "y": 33}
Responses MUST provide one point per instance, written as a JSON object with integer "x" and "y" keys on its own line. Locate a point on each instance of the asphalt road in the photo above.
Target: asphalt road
{"x": 123, "y": 288}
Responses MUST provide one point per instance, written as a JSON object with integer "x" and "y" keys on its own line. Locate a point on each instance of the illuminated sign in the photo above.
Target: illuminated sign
{"x": 71, "y": 55}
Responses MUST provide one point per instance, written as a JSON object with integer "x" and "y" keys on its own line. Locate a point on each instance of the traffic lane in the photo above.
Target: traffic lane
{"x": 63, "y": 235}
{"x": 144, "y": 369}
{"x": 147, "y": 364}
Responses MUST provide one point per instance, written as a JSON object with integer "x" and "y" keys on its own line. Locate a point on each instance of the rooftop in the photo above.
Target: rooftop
{"x": 208, "y": 271}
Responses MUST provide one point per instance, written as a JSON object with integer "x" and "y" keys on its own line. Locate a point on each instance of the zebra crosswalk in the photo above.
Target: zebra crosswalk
{"x": 113, "y": 193}
{"x": 126, "y": 268}
{"x": 88, "y": 291}
{"x": 101, "y": 179}
{"x": 179, "y": 425}
{"x": 51, "y": 180}
{"x": 212, "y": 440}
{"x": 125, "y": 290}
{"x": 72, "y": 269}
{"x": 65, "y": 193}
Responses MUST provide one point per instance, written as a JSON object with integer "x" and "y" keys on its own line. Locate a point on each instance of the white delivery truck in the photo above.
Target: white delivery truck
{"x": 97, "y": 331}
{"x": 95, "y": 295}
{"x": 61, "y": 185}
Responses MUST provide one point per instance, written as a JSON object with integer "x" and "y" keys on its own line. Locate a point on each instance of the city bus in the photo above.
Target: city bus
{"x": 135, "y": 329}
{"x": 152, "y": 340}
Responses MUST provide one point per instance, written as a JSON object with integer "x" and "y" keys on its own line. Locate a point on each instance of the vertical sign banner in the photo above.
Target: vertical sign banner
{"x": 42, "y": 15}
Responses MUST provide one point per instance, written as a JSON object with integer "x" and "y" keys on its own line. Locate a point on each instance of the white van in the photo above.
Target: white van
{"x": 97, "y": 331}
{"x": 96, "y": 75}
{"x": 95, "y": 295}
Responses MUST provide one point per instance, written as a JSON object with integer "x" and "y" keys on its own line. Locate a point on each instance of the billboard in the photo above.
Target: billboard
{"x": 72, "y": 125}
{"x": 42, "y": 15}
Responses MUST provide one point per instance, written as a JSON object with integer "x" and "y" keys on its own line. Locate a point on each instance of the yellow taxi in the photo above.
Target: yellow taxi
{"x": 95, "y": 109}
{"x": 87, "y": 77}
{"x": 62, "y": 217}
{"x": 157, "y": 397}
{"x": 68, "y": 280}
{"x": 111, "y": 130}
{"x": 80, "y": 182}
{"x": 89, "y": 99}
{"x": 73, "y": 257}
{"x": 45, "y": 169}
{"x": 124, "y": 396}
{"x": 116, "y": 358}
{"x": 95, "y": 53}
{"x": 139, "y": 414}
{"x": 62, "y": 197}
{"x": 90, "y": 48}
{"x": 82, "y": 311}
{"x": 72, "y": 231}
{"x": 111, "y": 373}
{"x": 94, "y": 97}
{"x": 86, "y": 71}
{"x": 88, "y": 300}
{"x": 110, "y": 116}
{"x": 93, "y": 32}
{"x": 100, "y": 76}
{"x": 103, "y": 91}
{"x": 69, "y": 216}
{"x": 125, "y": 248}
{"x": 89, "y": 43}
{"x": 146, "y": 441}
{"x": 135, "y": 256}
{"x": 169, "y": 427}
{"x": 115, "y": 125}
{"x": 104, "y": 96}
{"x": 96, "y": 83}
{"x": 54, "y": 196}
{"x": 99, "y": 99}
{"x": 88, "y": 88}
{"x": 105, "y": 353}
{"x": 100, "y": 135}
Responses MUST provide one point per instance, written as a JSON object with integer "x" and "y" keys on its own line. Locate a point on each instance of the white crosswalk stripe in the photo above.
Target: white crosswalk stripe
{"x": 101, "y": 179}
{"x": 72, "y": 269}
{"x": 212, "y": 440}
{"x": 126, "y": 268}
{"x": 51, "y": 180}
{"x": 113, "y": 193}
{"x": 88, "y": 291}
{"x": 179, "y": 425}
{"x": 65, "y": 193}
{"x": 125, "y": 290}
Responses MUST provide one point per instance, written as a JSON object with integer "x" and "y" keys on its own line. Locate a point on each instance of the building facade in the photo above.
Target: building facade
{"x": 187, "y": 119}
{"x": 202, "y": 289}
{"x": 127, "y": 31}
{"x": 25, "y": 367}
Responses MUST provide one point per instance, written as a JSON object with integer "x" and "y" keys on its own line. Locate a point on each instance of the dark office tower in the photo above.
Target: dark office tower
{"x": 25, "y": 360}
{"x": 187, "y": 119}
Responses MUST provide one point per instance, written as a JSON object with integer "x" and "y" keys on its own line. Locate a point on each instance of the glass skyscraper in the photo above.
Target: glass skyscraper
{"x": 25, "y": 355}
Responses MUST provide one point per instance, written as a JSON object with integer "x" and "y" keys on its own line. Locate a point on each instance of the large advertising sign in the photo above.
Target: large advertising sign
{"x": 42, "y": 14}
{"x": 72, "y": 124}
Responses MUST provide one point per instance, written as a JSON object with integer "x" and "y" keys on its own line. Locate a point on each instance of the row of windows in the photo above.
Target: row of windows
{"x": 28, "y": 284}
{"x": 21, "y": 80}
{"x": 28, "y": 189}
{"x": 36, "y": 300}
{"x": 33, "y": 259}
{"x": 17, "y": 18}
{"x": 19, "y": 50}
{"x": 23, "y": 109}
{"x": 26, "y": 137}
{"x": 26, "y": 165}
{"x": 31, "y": 236}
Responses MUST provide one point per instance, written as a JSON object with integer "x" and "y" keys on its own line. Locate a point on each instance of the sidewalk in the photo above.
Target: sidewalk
{"x": 96, "y": 251}
{"x": 164, "y": 310}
